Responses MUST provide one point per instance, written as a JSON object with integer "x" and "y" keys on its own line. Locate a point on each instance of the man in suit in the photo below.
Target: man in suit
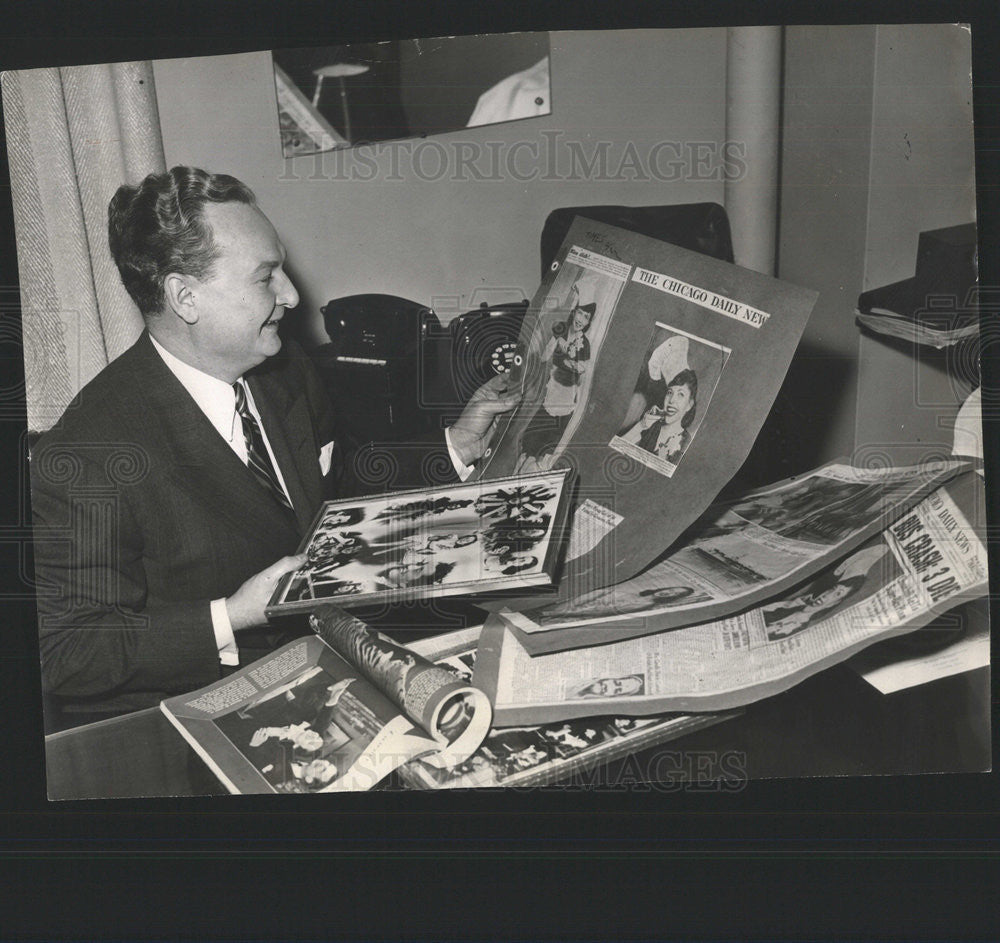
{"x": 172, "y": 494}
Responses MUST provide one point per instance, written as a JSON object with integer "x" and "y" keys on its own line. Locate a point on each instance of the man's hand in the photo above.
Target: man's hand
{"x": 260, "y": 737}
{"x": 473, "y": 431}
{"x": 246, "y": 606}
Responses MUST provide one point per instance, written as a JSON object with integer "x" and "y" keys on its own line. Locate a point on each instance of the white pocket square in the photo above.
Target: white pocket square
{"x": 325, "y": 458}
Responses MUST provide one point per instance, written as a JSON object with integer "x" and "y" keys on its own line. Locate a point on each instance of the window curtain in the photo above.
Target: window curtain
{"x": 74, "y": 135}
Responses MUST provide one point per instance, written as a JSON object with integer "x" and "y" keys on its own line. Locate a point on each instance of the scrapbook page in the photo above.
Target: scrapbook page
{"x": 648, "y": 369}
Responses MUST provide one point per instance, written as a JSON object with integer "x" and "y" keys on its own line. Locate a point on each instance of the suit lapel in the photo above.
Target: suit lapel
{"x": 199, "y": 460}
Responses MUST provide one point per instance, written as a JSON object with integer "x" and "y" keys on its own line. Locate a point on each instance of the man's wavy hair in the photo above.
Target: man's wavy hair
{"x": 159, "y": 227}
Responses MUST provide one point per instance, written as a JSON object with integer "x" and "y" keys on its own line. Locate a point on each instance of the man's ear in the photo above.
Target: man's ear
{"x": 179, "y": 296}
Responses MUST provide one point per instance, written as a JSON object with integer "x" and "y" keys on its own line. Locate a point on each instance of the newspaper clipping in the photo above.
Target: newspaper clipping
{"x": 536, "y": 755}
{"x": 740, "y": 553}
{"x": 663, "y": 416}
{"x": 649, "y": 370}
{"x": 928, "y": 561}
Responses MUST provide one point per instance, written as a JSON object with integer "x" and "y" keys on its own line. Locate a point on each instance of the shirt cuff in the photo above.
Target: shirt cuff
{"x": 225, "y": 640}
{"x": 461, "y": 469}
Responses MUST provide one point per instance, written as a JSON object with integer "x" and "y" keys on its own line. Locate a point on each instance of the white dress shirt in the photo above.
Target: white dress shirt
{"x": 461, "y": 469}
{"x": 524, "y": 94}
{"x": 217, "y": 400}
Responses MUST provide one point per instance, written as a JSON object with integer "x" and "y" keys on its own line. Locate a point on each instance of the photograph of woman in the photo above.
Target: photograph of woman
{"x": 421, "y": 508}
{"x": 413, "y": 575}
{"x": 566, "y": 358}
{"x": 623, "y": 686}
{"x": 672, "y": 394}
{"x": 306, "y": 586}
{"x": 560, "y": 359}
{"x": 413, "y": 546}
{"x": 514, "y": 536}
{"x": 819, "y": 509}
{"x": 832, "y": 591}
{"x": 295, "y": 735}
{"x": 663, "y": 428}
{"x": 620, "y": 600}
{"x": 509, "y": 563}
{"x": 340, "y": 517}
{"x": 330, "y": 550}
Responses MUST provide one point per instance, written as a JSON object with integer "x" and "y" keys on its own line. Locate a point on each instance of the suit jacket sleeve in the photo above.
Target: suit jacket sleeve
{"x": 98, "y": 637}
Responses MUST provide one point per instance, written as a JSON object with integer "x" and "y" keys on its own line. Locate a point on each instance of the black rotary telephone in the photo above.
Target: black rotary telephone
{"x": 485, "y": 343}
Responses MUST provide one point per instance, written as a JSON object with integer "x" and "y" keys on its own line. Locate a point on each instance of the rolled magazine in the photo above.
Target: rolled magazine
{"x": 333, "y": 712}
{"x": 433, "y": 697}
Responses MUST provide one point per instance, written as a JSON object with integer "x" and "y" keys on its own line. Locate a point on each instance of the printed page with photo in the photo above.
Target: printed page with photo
{"x": 648, "y": 369}
{"x": 739, "y": 554}
{"x": 927, "y": 562}
{"x": 333, "y": 712}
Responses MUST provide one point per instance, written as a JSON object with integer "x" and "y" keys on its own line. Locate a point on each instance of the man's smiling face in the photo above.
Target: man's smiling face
{"x": 242, "y": 299}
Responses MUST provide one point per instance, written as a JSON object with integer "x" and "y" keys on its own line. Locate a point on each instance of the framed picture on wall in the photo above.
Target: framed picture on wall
{"x": 361, "y": 93}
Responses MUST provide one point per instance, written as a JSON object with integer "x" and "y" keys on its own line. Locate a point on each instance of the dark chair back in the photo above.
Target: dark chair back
{"x": 700, "y": 227}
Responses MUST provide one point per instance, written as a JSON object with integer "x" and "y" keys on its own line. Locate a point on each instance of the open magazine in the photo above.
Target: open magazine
{"x": 740, "y": 553}
{"x": 293, "y": 689}
{"x": 928, "y": 561}
{"x": 649, "y": 370}
{"x": 333, "y": 712}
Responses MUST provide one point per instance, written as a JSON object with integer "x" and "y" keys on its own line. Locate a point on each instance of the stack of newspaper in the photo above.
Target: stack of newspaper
{"x": 758, "y": 595}
{"x": 938, "y": 332}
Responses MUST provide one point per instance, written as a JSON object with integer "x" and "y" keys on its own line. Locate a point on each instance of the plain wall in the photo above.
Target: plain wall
{"x": 823, "y": 199}
{"x": 922, "y": 177}
{"x": 877, "y": 146}
{"x": 452, "y": 242}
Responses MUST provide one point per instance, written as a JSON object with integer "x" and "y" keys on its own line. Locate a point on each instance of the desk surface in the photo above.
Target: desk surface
{"x": 832, "y": 724}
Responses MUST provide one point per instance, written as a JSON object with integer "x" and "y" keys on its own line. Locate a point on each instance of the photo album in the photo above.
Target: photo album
{"x": 461, "y": 539}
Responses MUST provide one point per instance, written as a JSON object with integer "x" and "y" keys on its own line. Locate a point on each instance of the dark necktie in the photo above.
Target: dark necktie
{"x": 258, "y": 461}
